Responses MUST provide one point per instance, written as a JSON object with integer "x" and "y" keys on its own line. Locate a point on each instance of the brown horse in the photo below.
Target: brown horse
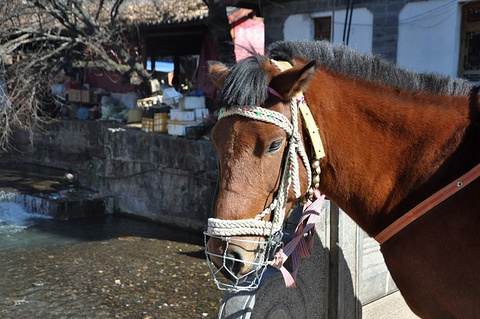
{"x": 392, "y": 139}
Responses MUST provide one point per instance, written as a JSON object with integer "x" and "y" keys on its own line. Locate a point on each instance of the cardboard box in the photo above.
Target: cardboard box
{"x": 74, "y": 95}
{"x": 201, "y": 114}
{"x": 134, "y": 116}
{"x": 179, "y": 115}
{"x": 191, "y": 102}
{"x": 77, "y": 95}
{"x": 177, "y": 128}
{"x": 86, "y": 96}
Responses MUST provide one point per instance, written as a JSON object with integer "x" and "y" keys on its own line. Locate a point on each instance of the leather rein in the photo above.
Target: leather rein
{"x": 428, "y": 204}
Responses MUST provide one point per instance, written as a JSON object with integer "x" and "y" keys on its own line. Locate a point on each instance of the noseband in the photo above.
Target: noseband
{"x": 272, "y": 230}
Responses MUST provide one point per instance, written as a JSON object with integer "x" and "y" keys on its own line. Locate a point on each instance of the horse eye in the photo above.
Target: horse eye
{"x": 275, "y": 146}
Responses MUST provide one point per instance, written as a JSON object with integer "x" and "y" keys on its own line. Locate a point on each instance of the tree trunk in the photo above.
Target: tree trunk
{"x": 220, "y": 31}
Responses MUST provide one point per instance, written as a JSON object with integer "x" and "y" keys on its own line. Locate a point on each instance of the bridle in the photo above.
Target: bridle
{"x": 272, "y": 230}
{"x": 290, "y": 176}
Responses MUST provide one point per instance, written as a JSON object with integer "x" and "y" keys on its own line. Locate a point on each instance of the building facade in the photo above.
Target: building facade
{"x": 441, "y": 36}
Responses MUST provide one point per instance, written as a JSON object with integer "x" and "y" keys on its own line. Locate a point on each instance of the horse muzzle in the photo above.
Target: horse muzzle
{"x": 241, "y": 260}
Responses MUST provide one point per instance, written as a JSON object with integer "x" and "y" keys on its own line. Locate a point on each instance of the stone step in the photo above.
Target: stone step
{"x": 48, "y": 192}
{"x": 63, "y": 205}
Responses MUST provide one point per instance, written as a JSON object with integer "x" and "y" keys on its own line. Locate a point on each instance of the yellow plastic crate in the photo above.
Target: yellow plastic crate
{"x": 147, "y": 125}
{"x": 160, "y": 121}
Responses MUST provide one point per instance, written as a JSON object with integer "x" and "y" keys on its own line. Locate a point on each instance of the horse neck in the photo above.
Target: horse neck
{"x": 382, "y": 146}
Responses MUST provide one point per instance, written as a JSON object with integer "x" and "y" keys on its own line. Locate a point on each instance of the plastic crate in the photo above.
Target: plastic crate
{"x": 195, "y": 132}
{"x": 151, "y": 101}
{"x": 160, "y": 121}
{"x": 147, "y": 125}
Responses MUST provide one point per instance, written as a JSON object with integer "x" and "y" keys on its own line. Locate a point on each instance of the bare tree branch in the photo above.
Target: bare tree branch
{"x": 40, "y": 37}
{"x": 114, "y": 11}
{"x": 99, "y": 9}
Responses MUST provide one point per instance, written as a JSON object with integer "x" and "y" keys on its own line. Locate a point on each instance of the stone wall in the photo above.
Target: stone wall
{"x": 158, "y": 177}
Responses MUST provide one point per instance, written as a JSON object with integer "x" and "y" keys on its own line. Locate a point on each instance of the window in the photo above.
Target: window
{"x": 323, "y": 28}
{"x": 469, "y": 67}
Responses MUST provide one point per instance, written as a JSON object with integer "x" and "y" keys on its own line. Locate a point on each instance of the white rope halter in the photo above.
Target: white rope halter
{"x": 290, "y": 176}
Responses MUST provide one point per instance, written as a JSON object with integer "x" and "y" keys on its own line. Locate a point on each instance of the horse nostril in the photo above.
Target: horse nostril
{"x": 234, "y": 262}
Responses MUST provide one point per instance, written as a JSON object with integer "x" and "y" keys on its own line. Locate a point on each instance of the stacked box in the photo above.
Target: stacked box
{"x": 178, "y": 128}
{"x": 191, "y": 102}
{"x": 77, "y": 95}
{"x": 180, "y": 115}
{"x": 147, "y": 125}
{"x": 86, "y": 96}
{"x": 74, "y": 95}
{"x": 201, "y": 115}
{"x": 191, "y": 113}
{"x": 160, "y": 121}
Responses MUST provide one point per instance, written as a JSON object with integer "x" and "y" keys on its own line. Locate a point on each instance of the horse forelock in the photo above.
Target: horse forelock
{"x": 344, "y": 60}
{"x": 247, "y": 82}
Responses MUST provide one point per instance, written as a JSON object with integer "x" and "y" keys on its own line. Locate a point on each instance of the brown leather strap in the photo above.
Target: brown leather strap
{"x": 428, "y": 204}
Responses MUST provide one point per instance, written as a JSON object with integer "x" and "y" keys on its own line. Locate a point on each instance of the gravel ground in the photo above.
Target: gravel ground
{"x": 124, "y": 277}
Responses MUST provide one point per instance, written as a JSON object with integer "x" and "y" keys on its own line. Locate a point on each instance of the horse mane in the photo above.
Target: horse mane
{"x": 246, "y": 82}
{"x": 342, "y": 59}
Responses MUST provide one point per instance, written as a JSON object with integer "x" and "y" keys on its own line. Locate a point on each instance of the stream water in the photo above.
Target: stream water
{"x": 107, "y": 267}
{"x": 18, "y": 231}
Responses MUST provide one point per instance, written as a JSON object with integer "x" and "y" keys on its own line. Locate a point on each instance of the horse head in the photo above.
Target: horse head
{"x": 253, "y": 139}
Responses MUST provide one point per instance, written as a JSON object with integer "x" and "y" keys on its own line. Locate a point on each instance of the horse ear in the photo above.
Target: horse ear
{"x": 305, "y": 75}
{"x": 293, "y": 81}
{"x": 218, "y": 73}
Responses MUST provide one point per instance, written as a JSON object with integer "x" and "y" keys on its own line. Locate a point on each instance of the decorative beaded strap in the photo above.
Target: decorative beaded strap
{"x": 291, "y": 128}
{"x": 260, "y": 114}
